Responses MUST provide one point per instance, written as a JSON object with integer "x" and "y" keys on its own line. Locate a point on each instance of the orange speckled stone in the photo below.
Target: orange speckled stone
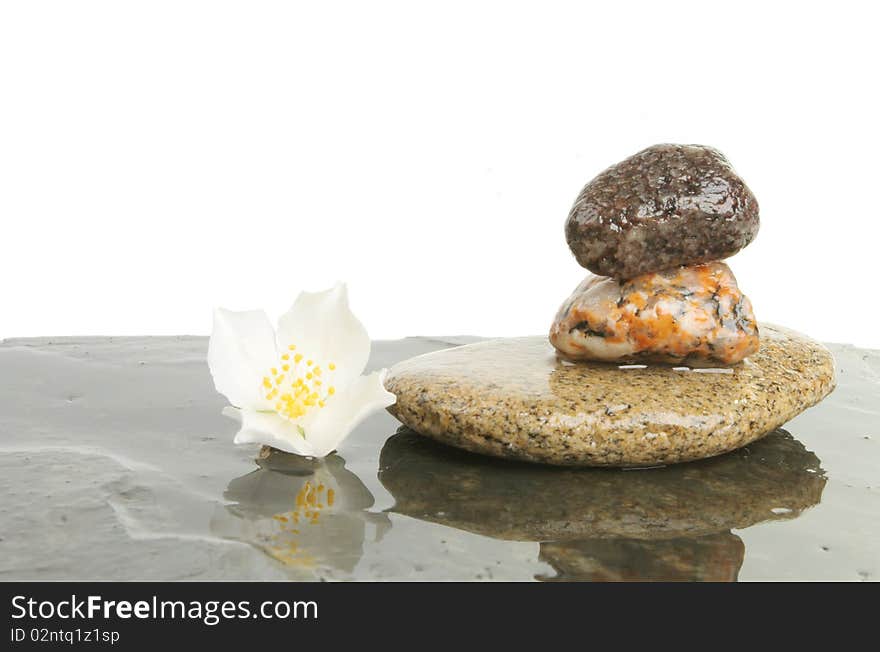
{"x": 688, "y": 316}
{"x": 515, "y": 398}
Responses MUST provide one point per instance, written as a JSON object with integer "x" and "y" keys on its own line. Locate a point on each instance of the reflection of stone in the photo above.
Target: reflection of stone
{"x": 309, "y": 515}
{"x": 664, "y": 523}
{"x": 711, "y": 558}
{"x": 528, "y": 502}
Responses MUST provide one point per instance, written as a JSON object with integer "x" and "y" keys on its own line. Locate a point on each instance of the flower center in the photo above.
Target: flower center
{"x": 297, "y": 385}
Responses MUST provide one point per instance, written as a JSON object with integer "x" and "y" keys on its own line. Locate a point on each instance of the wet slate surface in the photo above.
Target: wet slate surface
{"x": 116, "y": 463}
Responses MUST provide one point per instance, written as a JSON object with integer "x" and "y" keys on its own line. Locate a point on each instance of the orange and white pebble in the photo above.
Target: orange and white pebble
{"x": 692, "y": 314}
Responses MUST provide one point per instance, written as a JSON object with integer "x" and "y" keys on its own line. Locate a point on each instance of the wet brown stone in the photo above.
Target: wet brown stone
{"x": 666, "y": 206}
{"x": 514, "y": 398}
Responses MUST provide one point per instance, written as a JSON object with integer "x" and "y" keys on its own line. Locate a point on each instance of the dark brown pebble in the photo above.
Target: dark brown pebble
{"x": 666, "y": 206}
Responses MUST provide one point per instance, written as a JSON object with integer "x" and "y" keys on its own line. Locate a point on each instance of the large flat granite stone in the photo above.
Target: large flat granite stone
{"x": 515, "y": 398}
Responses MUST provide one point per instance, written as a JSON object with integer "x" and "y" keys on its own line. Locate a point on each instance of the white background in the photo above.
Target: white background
{"x": 158, "y": 159}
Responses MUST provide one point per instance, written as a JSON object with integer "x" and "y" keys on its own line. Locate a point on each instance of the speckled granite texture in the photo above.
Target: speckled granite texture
{"x": 693, "y": 316}
{"x": 514, "y": 398}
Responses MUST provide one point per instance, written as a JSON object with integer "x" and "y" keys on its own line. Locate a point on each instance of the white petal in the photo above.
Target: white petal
{"x": 241, "y": 349}
{"x": 323, "y": 328}
{"x": 231, "y": 412}
{"x": 346, "y": 410}
{"x": 270, "y": 429}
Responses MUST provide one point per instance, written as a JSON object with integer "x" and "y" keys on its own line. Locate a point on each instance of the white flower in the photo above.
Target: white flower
{"x": 299, "y": 390}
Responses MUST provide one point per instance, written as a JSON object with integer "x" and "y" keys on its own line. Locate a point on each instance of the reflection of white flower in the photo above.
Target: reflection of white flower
{"x": 314, "y": 518}
{"x": 299, "y": 390}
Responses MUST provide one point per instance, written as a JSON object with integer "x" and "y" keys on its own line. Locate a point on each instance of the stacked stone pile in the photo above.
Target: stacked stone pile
{"x": 653, "y": 229}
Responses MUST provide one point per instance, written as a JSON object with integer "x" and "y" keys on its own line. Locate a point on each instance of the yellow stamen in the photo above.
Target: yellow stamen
{"x": 298, "y": 393}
